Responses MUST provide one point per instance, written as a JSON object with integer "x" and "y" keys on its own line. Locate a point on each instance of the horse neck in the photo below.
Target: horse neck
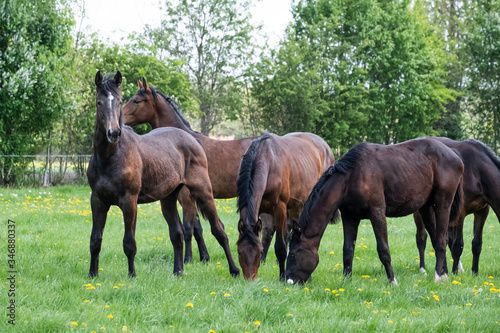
{"x": 167, "y": 117}
{"x": 322, "y": 211}
{"x": 102, "y": 147}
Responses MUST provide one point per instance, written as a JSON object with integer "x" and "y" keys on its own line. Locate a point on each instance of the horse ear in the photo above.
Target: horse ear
{"x": 258, "y": 227}
{"x": 241, "y": 226}
{"x": 118, "y": 79}
{"x": 139, "y": 83}
{"x": 145, "y": 85}
{"x": 98, "y": 79}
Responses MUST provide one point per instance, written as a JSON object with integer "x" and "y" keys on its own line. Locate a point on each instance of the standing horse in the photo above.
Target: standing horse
{"x": 127, "y": 169}
{"x": 149, "y": 105}
{"x": 374, "y": 181}
{"x": 481, "y": 189}
{"x": 276, "y": 176}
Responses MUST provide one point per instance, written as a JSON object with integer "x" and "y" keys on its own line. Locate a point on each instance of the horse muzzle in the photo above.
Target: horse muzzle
{"x": 113, "y": 135}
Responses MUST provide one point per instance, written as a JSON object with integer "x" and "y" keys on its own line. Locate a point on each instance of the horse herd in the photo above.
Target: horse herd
{"x": 288, "y": 185}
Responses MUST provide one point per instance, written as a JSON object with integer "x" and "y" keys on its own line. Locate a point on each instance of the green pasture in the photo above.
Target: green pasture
{"x": 54, "y": 294}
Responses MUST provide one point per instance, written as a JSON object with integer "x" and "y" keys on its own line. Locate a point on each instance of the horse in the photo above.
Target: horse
{"x": 481, "y": 189}
{"x": 127, "y": 169}
{"x": 150, "y": 105}
{"x": 276, "y": 176}
{"x": 373, "y": 182}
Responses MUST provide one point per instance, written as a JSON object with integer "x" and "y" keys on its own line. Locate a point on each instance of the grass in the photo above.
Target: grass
{"x": 54, "y": 294}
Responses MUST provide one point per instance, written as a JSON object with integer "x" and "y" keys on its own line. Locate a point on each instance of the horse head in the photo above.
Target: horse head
{"x": 249, "y": 248}
{"x": 108, "y": 101}
{"x": 302, "y": 258}
{"x": 141, "y": 107}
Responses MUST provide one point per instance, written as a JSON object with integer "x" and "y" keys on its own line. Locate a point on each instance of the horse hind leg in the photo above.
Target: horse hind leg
{"x": 456, "y": 241}
{"x": 205, "y": 202}
{"x": 192, "y": 226}
{"x": 421, "y": 238}
{"x": 477, "y": 242}
{"x": 176, "y": 231}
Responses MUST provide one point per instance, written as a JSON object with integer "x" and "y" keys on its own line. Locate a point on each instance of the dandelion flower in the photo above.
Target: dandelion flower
{"x": 227, "y": 295}
{"x": 110, "y": 316}
{"x": 189, "y": 305}
{"x": 124, "y": 328}
{"x": 212, "y": 293}
{"x": 74, "y": 323}
{"x": 257, "y": 322}
{"x": 211, "y": 331}
{"x": 266, "y": 290}
{"x": 468, "y": 304}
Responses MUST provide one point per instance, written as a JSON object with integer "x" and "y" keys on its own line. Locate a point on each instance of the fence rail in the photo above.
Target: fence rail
{"x": 43, "y": 170}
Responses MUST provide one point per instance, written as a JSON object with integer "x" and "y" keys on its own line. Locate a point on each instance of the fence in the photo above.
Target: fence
{"x": 43, "y": 170}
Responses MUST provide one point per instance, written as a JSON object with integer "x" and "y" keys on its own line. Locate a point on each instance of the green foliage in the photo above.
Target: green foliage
{"x": 34, "y": 39}
{"x": 483, "y": 45}
{"x": 361, "y": 70}
{"x": 54, "y": 294}
{"x": 213, "y": 37}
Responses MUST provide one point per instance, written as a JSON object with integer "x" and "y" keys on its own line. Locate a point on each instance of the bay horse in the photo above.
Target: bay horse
{"x": 481, "y": 189}
{"x": 127, "y": 169}
{"x": 373, "y": 181}
{"x": 150, "y": 105}
{"x": 276, "y": 176}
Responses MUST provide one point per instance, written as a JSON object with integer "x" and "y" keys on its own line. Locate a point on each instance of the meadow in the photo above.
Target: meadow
{"x": 54, "y": 294}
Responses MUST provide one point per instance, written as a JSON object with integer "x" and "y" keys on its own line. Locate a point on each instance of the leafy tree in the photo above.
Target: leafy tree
{"x": 34, "y": 39}
{"x": 483, "y": 45}
{"x": 376, "y": 66}
{"x": 213, "y": 37}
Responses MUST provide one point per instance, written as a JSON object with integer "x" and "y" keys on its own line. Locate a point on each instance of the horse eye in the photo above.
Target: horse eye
{"x": 136, "y": 101}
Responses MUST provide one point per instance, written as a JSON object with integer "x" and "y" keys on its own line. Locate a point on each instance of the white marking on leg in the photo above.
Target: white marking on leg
{"x": 422, "y": 270}
{"x": 394, "y": 281}
{"x": 460, "y": 267}
{"x": 289, "y": 281}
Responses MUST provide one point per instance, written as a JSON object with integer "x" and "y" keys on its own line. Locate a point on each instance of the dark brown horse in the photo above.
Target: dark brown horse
{"x": 276, "y": 176}
{"x": 127, "y": 169}
{"x": 481, "y": 189}
{"x": 374, "y": 181}
{"x": 149, "y": 105}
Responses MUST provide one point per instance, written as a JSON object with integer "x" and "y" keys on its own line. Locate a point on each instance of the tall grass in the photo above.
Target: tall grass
{"x": 54, "y": 294}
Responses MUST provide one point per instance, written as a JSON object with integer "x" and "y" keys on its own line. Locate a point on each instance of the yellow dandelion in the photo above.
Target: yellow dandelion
{"x": 84, "y": 324}
{"x": 227, "y": 295}
{"x": 189, "y": 305}
{"x": 360, "y": 289}
{"x": 211, "y": 331}
{"x": 74, "y": 323}
{"x": 389, "y": 321}
{"x": 289, "y": 315}
{"x": 115, "y": 287}
{"x": 468, "y": 304}
{"x": 331, "y": 252}
{"x": 86, "y": 301}
{"x": 341, "y": 289}
{"x": 327, "y": 289}
{"x": 110, "y": 316}
{"x": 106, "y": 306}
{"x": 212, "y": 293}
{"x": 266, "y": 290}
{"x": 257, "y": 322}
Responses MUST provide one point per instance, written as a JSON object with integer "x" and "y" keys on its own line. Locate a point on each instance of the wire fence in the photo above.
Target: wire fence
{"x": 43, "y": 170}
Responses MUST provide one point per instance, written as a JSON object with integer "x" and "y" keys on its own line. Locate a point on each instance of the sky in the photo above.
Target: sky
{"x": 115, "y": 19}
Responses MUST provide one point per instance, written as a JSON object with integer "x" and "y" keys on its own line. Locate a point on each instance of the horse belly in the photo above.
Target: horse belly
{"x": 407, "y": 200}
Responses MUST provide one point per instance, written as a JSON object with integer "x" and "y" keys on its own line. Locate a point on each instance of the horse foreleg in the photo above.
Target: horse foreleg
{"x": 350, "y": 227}
{"x": 279, "y": 217}
{"x": 421, "y": 237}
{"x": 99, "y": 213}
{"x": 268, "y": 229}
{"x": 175, "y": 229}
{"x": 129, "y": 209}
{"x": 477, "y": 242}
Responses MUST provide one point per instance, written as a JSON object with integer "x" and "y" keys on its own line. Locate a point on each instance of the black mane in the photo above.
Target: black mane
{"x": 494, "y": 158}
{"x": 346, "y": 163}
{"x": 246, "y": 173}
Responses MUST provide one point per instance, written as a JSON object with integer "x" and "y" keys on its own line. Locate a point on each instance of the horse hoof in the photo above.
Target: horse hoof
{"x": 205, "y": 259}
{"x": 460, "y": 267}
{"x": 235, "y": 273}
{"x": 423, "y": 271}
{"x": 394, "y": 282}
{"x": 438, "y": 278}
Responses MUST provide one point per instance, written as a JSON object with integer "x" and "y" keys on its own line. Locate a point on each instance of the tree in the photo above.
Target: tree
{"x": 213, "y": 37}
{"x": 483, "y": 73}
{"x": 377, "y": 68}
{"x": 34, "y": 39}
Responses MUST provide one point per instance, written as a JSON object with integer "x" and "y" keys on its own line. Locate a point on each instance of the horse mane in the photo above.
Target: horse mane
{"x": 177, "y": 109}
{"x": 342, "y": 166}
{"x": 246, "y": 173}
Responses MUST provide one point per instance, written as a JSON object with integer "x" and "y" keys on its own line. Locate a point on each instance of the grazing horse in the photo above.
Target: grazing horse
{"x": 149, "y": 105}
{"x": 481, "y": 189}
{"x": 127, "y": 169}
{"x": 374, "y": 181}
{"x": 276, "y": 176}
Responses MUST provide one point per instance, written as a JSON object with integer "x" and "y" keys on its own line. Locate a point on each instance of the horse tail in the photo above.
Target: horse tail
{"x": 249, "y": 167}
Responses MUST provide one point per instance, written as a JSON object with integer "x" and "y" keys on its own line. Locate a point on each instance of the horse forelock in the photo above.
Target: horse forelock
{"x": 250, "y": 236}
{"x": 245, "y": 180}
{"x": 342, "y": 166}
{"x": 108, "y": 85}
